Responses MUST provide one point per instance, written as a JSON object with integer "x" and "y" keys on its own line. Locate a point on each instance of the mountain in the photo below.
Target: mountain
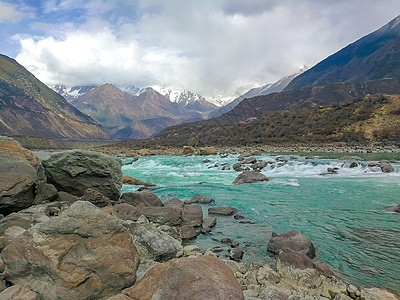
{"x": 130, "y": 116}
{"x": 375, "y": 56}
{"x": 71, "y": 93}
{"x": 370, "y": 119}
{"x": 266, "y": 89}
{"x": 30, "y": 108}
{"x": 187, "y": 99}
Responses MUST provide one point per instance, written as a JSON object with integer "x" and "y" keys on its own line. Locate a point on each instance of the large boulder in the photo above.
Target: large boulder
{"x": 21, "y": 175}
{"x": 148, "y": 198}
{"x": 76, "y": 170}
{"x": 292, "y": 240}
{"x": 160, "y": 215}
{"x": 249, "y": 177}
{"x": 208, "y": 151}
{"x": 122, "y": 211}
{"x": 196, "y": 278}
{"x": 154, "y": 244}
{"x": 192, "y": 215}
{"x": 82, "y": 253}
{"x": 385, "y": 166}
{"x": 18, "y": 292}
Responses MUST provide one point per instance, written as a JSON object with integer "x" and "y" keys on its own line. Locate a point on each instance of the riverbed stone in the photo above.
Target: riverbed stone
{"x": 188, "y": 232}
{"x": 18, "y": 292}
{"x": 148, "y": 198}
{"x": 377, "y": 294}
{"x": 134, "y": 181}
{"x": 95, "y": 197}
{"x": 187, "y": 150}
{"x": 21, "y": 174}
{"x": 122, "y": 211}
{"x": 202, "y": 199}
{"x": 82, "y": 253}
{"x": 385, "y": 166}
{"x": 203, "y": 277}
{"x": 224, "y": 211}
{"x": 192, "y": 215}
{"x": 208, "y": 151}
{"x": 210, "y": 222}
{"x": 160, "y": 215}
{"x": 394, "y": 208}
{"x": 176, "y": 204}
{"x": 153, "y": 243}
{"x": 76, "y": 170}
{"x": 236, "y": 254}
{"x": 293, "y": 240}
{"x": 250, "y": 177}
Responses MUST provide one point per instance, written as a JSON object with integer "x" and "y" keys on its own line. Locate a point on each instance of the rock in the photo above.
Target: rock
{"x": 82, "y": 253}
{"x": 18, "y": 292}
{"x": 342, "y": 297}
{"x": 394, "y": 208}
{"x": 226, "y": 240}
{"x": 192, "y": 250}
{"x": 224, "y": 211}
{"x": 154, "y": 244}
{"x": 238, "y": 217}
{"x": 237, "y": 167}
{"x": 119, "y": 297}
{"x": 45, "y": 192}
{"x": 176, "y": 204}
{"x": 249, "y": 160}
{"x": 202, "y": 199}
{"x": 76, "y": 170}
{"x": 385, "y": 166}
{"x": 208, "y": 151}
{"x": 2, "y": 286}
{"x": 192, "y": 215}
{"x": 293, "y": 240}
{"x": 202, "y": 277}
{"x": 234, "y": 243}
{"x": 66, "y": 197}
{"x": 353, "y": 165}
{"x": 206, "y": 161}
{"x": 21, "y": 174}
{"x": 122, "y": 211}
{"x": 148, "y": 198}
{"x": 236, "y": 254}
{"x": 210, "y": 222}
{"x": 249, "y": 177}
{"x": 330, "y": 171}
{"x": 377, "y": 294}
{"x": 144, "y": 152}
{"x": 95, "y": 197}
{"x": 298, "y": 271}
{"x": 187, "y": 150}
{"x": 134, "y": 181}
{"x": 373, "y": 164}
{"x": 188, "y": 232}
{"x": 160, "y": 215}
{"x": 259, "y": 165}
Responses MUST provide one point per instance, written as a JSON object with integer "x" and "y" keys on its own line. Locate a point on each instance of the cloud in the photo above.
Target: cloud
{"x": 9, "y": 13}
{"x": 211, "y": 47}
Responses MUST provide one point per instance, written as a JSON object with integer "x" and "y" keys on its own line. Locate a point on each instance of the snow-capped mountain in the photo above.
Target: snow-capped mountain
{"x": 266, "y": 89}
{"x": 71, "y": 93}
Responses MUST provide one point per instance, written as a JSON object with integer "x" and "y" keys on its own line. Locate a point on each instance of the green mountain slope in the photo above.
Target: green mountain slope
{"x": 29, "y": 108}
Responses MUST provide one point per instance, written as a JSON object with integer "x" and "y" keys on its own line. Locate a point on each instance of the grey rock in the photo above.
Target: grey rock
{"x": 210, "y": 222}
{"x": 176, "y": 204}
{"x": 386, "y": 167}
{"x": 293, "y": 240}
{"x": 236, "y": 254}
{"x": 224, "y": 211}
{"x": 95, "y": 197}
{"x": 188, "y": 232}
{"x": 192, "y": 215}
{"x": 249, "y": 177}
{"x": 18, "y": 292}
{"x": 160, "y": 215}
{"x": 394, "y": 208}
{"x": 76, "y": 170}
{"x": 148, "y": 198}
{"x": 154, "y": 244}
{"x": 202, "y": 199}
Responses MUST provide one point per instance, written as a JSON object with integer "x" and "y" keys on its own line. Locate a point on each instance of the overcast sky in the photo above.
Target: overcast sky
{"x": 208, "y": 46}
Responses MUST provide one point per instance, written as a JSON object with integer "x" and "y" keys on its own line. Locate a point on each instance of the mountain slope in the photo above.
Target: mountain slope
{"x": 266, "y": 89}
{"x": 30, "y": 108}
{"x": 369, "y": 119}
{"x": 374, "y": 56}
{"x": 129, "y": 116}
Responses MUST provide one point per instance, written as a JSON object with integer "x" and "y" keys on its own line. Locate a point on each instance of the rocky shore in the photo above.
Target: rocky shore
{"x": 66, "y": 232}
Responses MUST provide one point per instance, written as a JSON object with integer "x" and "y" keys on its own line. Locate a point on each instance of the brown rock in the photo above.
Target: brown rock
{"x": 394, "y": 208}
{"x": 21, "y": 173}
{"x": 95, "y": 197}
{"x": 236, "y": 254}
{"x": 187, "y": 150}
{"x": 292, "y": 240}
{"x": 82, "y": 253}
{"x": 202, "y": 199}
{"x": 192, "y": 215}
{"x": 210, "y": 222}
{"x": 208, "y": 151}
{"x": 148, "y": 198}
{"x": 134, "y": 181}
{"x": 18, "y": 292}
{"x": 249, "y": 177}
{"x": 160, "y": 215}
{"x": 176, "y": 204}
{"x": 188, "y": 232}
{"x": 197, "y": 278}
{"x": 122, "y": 211}
{"x": 224, "y": 211}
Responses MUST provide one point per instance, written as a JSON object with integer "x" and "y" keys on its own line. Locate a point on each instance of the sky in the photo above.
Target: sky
{"x": 217, "y": 48}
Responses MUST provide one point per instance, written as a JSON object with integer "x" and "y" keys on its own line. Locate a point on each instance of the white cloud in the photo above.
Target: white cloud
{"x": 9, "y": 13}
{"x": 206, "y": 46}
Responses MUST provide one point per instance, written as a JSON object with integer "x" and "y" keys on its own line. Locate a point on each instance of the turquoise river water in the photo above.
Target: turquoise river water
{"x": 344, "y": 214}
